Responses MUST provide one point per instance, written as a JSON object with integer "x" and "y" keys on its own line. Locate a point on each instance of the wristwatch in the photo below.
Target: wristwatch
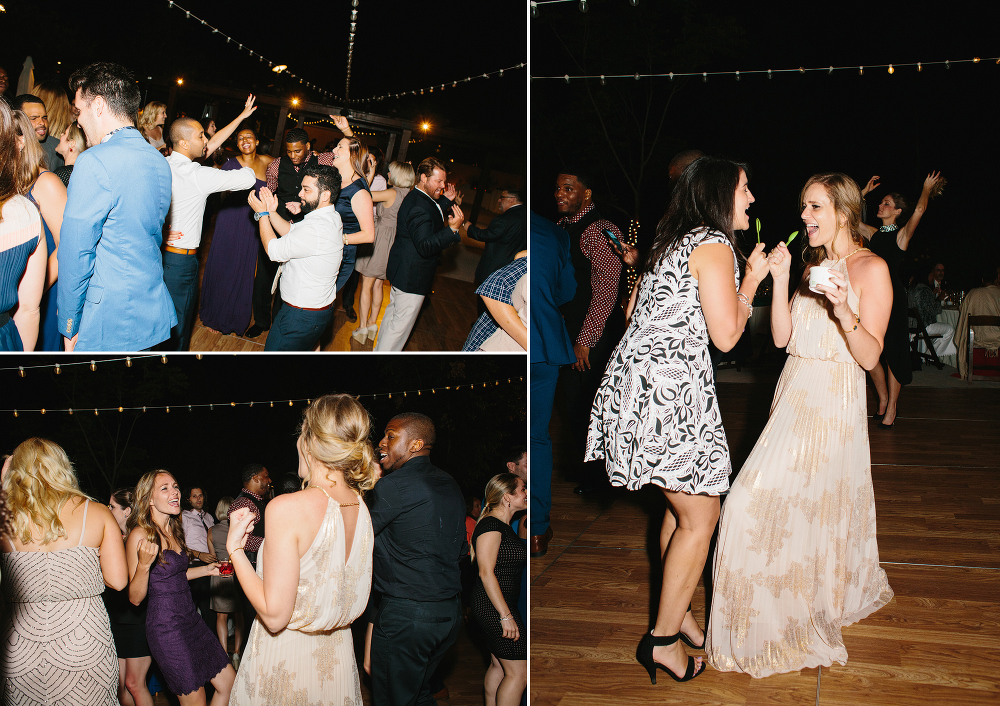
{"x": 258, "y": 216}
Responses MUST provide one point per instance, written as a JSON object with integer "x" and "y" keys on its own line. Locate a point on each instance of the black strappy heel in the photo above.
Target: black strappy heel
{"x": 645, "y": 656}
{"x": 687, "y": 641}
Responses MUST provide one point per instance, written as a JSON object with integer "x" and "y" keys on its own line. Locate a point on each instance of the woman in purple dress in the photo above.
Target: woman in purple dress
{"x": 227, "y": 287}
{"x": 186, "y": 651}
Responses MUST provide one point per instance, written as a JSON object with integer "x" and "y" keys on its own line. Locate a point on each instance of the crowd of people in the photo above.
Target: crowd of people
{"x": 378, "y": 534}
{"x": 796, "y": 558}
{"x": 127, "y": 230}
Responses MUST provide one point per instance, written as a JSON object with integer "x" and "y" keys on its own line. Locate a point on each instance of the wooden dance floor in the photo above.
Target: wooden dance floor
{"x": 937, "y": 642}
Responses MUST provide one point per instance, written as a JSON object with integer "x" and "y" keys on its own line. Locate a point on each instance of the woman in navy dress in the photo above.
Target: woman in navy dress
{"x": 227, "y": 286}
{"x": 187, "y": 652}
{"x": 355, "y": 204}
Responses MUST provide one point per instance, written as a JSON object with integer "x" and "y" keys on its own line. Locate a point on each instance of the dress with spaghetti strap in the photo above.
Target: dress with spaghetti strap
{"x": 57, "y": 644}
{"x": 797, "y": 558}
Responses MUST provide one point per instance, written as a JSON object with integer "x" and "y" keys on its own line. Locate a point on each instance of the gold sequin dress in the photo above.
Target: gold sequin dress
{"x": 797, "y": 558}
{"x": 311, "y": 662}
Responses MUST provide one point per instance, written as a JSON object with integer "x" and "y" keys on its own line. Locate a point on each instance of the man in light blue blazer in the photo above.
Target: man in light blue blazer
{"x": 111, "y": 292}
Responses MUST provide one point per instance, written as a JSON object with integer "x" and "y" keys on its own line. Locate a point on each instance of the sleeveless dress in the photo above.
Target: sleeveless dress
{"x": 223, "y": 589}
{"x": 227, "y": 285}
{"x": 20, "y": 230}
{"x": 57, "y": 645}
{"x": 128, "y": 623}
{"x": 656, "y": 416}
{"x": 511, "y": 559}
{"x": 374, "y": 265}
{"x": 49, "y": 338}
{"x": 351, "y": 226}
{"x": 896, "y": 346}
{"x": 188, "y": 654}
{"x": 311, "y": 661}
{"x": 797, "y": 559}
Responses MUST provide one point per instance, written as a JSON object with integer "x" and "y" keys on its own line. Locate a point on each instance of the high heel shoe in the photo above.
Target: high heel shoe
{"x": 372, "y": 332}
{"x": 644, "y": 654}
{"x": 360, "y": 334}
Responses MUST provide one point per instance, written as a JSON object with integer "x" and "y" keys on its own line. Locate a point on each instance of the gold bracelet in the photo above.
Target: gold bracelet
{"x": 857, "y": 320}
{"x": 238, "y": 549}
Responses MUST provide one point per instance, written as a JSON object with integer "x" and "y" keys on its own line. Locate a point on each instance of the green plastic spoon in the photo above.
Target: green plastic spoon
{"x": 791, "y": 238}
{"x": 758, "y": 230}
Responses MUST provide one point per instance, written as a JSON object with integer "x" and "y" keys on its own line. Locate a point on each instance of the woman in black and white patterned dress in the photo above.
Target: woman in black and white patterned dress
{"x": 656, "y": 416}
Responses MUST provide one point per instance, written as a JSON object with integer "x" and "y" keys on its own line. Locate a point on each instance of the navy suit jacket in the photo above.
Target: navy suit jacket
{"x": 111, "y": 288}
{"x": 505, "y": 236}
{"x": 552, "y": 285}
{"x": 421, "y": 235}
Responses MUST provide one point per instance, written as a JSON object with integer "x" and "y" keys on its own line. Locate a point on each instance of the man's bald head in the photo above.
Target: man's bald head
{"x": 417, "y": 426}
{"x": 188, "y": 137}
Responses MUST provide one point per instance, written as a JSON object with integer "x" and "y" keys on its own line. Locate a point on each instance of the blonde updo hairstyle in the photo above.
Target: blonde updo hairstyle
{"x": 499, "y": 485}
{"x": 335, "y": 431}
{"x": 38, "y": 483}
{"x": 846, "y": 199}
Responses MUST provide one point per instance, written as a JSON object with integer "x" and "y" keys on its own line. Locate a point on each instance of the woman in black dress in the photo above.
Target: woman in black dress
{"x": 501, "y": 557}
{"x": 890, "y": 242}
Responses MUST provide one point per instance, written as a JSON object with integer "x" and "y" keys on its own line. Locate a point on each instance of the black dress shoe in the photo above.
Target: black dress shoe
{"x": 352, "y": 315}
{"x": 254, "y": 331}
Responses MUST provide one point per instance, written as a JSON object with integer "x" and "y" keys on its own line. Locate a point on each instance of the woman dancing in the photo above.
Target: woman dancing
{"x": 128, "y": 622}
{"x": 354, "y": 204}
{"x": 314, "y": 571}
{"x": 796, "y": 559}
{"x": 501, "y": 557}
{"x": 890, "y": 242}
{"x": 60, "y": 552}
{"x": 186, "y": 651}
{"x": 656, "y": 418}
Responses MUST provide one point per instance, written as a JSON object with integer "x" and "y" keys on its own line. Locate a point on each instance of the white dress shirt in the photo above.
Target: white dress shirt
{"x": 190, "y": 186}
{"x": 311, "y": 252}
{"x": 196, "y": 525}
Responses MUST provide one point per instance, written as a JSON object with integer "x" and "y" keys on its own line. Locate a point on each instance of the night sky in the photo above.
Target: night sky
{"x": 899, "y": 126}
{"x": 209, "y": 447}
{"x": 399, "y": 46}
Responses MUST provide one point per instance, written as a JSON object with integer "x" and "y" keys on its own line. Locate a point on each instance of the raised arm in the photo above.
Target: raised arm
{"x": 387, "y": 196}
{"x": 223, "y": 134}
{"x": 906, "y": 232}
{"x": 779, "y": 263}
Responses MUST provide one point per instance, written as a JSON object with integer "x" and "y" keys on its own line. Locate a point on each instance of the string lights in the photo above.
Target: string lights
{"x": 58, "y": 367}
{"x": 350, "y": 48}
{"x": 291, "y": 402}
{"x": 892, "y": 68}
{"x": 441, "y": 86}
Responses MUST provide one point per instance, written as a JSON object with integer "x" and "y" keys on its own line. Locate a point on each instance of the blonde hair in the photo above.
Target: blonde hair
{"x": 57, "y": 106}
{"x": 401, "y": 175}
{"x": 142, "y": 516}
{"x": 76, "y": 136}
{"x": 845, "y": 196}
{"x": 499, "y": 485}
{"x": 335, "y": 431}
{"x": 222, "y": 507}
{"x": 38, "y": 483}
{"x": 32, "y": 159}
{"x": 147, "y": 116}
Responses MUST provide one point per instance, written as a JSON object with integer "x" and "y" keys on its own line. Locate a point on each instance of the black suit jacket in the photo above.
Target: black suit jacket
{"x": 421, "y": 235}
{"x": 505, "y": 236}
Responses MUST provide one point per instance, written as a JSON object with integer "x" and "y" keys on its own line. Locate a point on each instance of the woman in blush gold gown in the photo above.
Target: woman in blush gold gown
{"x": 797, "y": 559}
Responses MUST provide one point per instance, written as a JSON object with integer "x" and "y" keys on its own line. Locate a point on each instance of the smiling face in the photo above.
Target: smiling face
{"x": 741, "y": 219}
{"x": 519, "y": 498}
{"x": 342, "y": 156}
{"x": 161, "y": 117}
{"x": 246, "y": 142}
{"x": 65, "y": 145}
{"x": 887, "y": 209}
{"x": 819, "y": 216}
{"x": 166, "y": 497}
{"x": 571, "y": 196}
{"x": 88, "y": 118}
{"x": 434, "y": 184}
{"x": 396, "y": 446}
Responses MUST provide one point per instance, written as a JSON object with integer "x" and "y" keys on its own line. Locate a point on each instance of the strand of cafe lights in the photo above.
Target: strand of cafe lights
{"x": 282, "y": 68}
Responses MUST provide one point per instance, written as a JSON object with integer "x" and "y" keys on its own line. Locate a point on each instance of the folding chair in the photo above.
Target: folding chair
{"x": 919, "y": 332}
{"x": 982, "y": 321}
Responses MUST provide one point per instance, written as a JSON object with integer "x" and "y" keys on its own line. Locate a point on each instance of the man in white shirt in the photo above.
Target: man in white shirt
{"x": 196, "y": 524}
{"x": 311, "y": 251}
{"x": 191, "y": 184}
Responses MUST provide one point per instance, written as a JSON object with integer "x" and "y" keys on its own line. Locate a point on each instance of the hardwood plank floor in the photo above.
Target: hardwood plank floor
{"x": 938, "y": 504}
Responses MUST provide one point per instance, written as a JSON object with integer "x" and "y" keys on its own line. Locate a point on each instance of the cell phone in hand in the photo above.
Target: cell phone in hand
{"x": 614, "y": 239}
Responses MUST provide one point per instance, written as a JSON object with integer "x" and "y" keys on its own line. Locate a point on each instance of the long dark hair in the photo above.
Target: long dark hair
{"x": 705, "y": 195}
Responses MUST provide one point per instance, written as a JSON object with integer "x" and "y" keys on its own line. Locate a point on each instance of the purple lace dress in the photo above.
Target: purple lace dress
{"x": 188, "y": 654}
{"x": 227, "y": 286}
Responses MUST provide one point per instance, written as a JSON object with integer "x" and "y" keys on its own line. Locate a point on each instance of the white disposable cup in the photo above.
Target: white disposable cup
{"x": 819, "y": 275}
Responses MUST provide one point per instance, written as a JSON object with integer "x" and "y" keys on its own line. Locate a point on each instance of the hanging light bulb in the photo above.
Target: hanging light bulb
{"x": 58, "y": 369}
{"x": 891, "y": 69}
{"x": 93, "y": 365}
{"x": 15, "y": 412}
{"x": 168, "y": 410}
{"x": 96, "y": 413}
{"x": 121, "y": 409}
{"x": 584, "y": 5}
{"x": 128, "y": 361}
{"x": 71, "y": 410}
{"x": 43, "y": 410}
{"x": 534, "y": 10}
{"x": 21, "y": 370}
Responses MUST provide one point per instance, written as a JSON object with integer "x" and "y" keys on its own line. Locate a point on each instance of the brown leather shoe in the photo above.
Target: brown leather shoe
{"x": 540, "y": 543}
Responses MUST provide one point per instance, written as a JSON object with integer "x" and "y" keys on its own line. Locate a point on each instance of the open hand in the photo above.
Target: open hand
{"x": 249, "y": 107}
{"x": 269, "y": 200}
{"x": 456, "y": 218}
{"x": 870, "y": 186}
{"x": 341, "y": 122}
{"x": 449, "y": 191}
